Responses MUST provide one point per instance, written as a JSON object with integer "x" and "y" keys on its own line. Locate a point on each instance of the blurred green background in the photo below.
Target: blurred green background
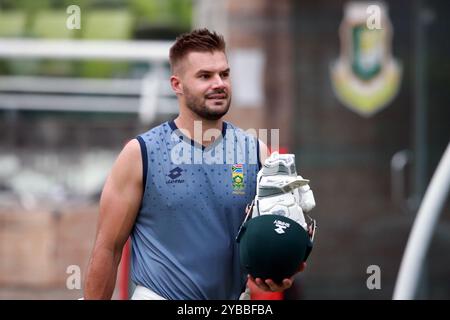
{"x": 100, "y": 20}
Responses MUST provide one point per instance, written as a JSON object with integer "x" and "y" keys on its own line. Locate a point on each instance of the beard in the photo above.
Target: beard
{"x": 198, "y": 105}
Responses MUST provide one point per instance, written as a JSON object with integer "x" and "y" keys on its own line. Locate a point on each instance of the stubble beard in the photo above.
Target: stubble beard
{"x": 199, "y": 107}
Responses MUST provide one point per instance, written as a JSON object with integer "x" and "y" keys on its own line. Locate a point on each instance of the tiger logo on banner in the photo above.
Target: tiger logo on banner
{"x": 366, "y": 77}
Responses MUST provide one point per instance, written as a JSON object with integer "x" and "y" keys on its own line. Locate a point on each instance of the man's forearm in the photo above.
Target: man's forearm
{"x": 101, "y": 274}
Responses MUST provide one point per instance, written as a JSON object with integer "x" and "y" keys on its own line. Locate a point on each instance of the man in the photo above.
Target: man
{"x": 181, "y": 203}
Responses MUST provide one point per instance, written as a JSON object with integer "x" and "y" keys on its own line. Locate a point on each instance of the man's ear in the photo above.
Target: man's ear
{"x": 176, "y": 85}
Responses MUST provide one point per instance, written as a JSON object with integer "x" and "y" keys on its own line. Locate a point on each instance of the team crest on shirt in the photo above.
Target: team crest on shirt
{"x": 237, "y": 178}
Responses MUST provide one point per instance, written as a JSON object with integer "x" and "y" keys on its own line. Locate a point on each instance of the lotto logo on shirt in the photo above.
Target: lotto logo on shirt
{"x": 237, "y": 177}
{"x": 174, "y": 175}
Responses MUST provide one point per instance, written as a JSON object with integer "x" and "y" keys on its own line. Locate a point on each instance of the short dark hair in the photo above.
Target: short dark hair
{"x": 199, "y": 40}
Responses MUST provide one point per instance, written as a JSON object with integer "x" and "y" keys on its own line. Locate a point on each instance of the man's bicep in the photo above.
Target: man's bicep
{"x": 121, "y": 198}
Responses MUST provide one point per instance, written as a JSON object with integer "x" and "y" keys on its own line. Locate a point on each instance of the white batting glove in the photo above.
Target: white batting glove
{"x": 281, "y": 191}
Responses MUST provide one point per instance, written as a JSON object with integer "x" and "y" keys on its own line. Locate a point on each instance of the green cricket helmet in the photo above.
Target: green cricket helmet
{"x": 273, "y": 247}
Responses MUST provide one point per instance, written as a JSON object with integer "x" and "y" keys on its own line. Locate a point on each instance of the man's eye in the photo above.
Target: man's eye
{"x": 225, "y": 75}
{"x": 204, "y": 76}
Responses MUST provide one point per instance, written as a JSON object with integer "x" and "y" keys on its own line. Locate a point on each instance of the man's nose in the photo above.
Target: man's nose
{"x": 218, "y": 82}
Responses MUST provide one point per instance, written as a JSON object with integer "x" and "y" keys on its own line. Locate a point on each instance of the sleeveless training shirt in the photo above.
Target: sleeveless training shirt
{"x": 183, "y": 240}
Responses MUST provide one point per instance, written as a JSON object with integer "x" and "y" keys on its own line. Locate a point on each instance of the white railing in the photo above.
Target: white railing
{"x": 422, "y": 231}
{"x": 146, "y": 51}
{"x": 148, "y": 96}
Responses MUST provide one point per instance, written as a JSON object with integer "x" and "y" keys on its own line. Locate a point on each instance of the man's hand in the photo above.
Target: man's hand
{"x": 271, "y": 286}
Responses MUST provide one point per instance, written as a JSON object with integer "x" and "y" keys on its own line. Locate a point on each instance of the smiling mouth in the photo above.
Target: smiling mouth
{"x": 216, "y": 96}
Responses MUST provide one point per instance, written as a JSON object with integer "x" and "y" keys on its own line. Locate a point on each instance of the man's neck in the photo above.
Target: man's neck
{"x": 195, "y": 128}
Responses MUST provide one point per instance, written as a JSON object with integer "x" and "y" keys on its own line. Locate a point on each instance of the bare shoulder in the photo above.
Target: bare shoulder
{"x": 122, "y": 192}
{"x": 131, "y": 150}
{"x": 129, "y": 162}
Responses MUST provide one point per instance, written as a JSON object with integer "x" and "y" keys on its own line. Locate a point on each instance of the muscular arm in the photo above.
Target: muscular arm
{"x": 119, "y": 204}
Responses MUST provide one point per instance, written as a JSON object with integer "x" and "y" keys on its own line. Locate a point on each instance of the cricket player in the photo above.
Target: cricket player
{"x": 180, "y": 191}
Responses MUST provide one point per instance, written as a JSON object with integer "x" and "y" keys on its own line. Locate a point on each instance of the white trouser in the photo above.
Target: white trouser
{"x": 246, "y": 294}
{"x": 143, "y": 293}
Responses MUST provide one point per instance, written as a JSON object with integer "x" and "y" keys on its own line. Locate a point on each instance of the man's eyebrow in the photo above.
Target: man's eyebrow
{"x": 209, "y": 71}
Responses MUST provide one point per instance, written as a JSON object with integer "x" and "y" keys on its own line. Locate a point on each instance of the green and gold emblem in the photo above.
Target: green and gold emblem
{"x": 366, "y": 77}
{"x": 237, "y": 178}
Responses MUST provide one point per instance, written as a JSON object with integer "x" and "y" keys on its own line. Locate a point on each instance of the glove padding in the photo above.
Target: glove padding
{"x": 281, "y": 191}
